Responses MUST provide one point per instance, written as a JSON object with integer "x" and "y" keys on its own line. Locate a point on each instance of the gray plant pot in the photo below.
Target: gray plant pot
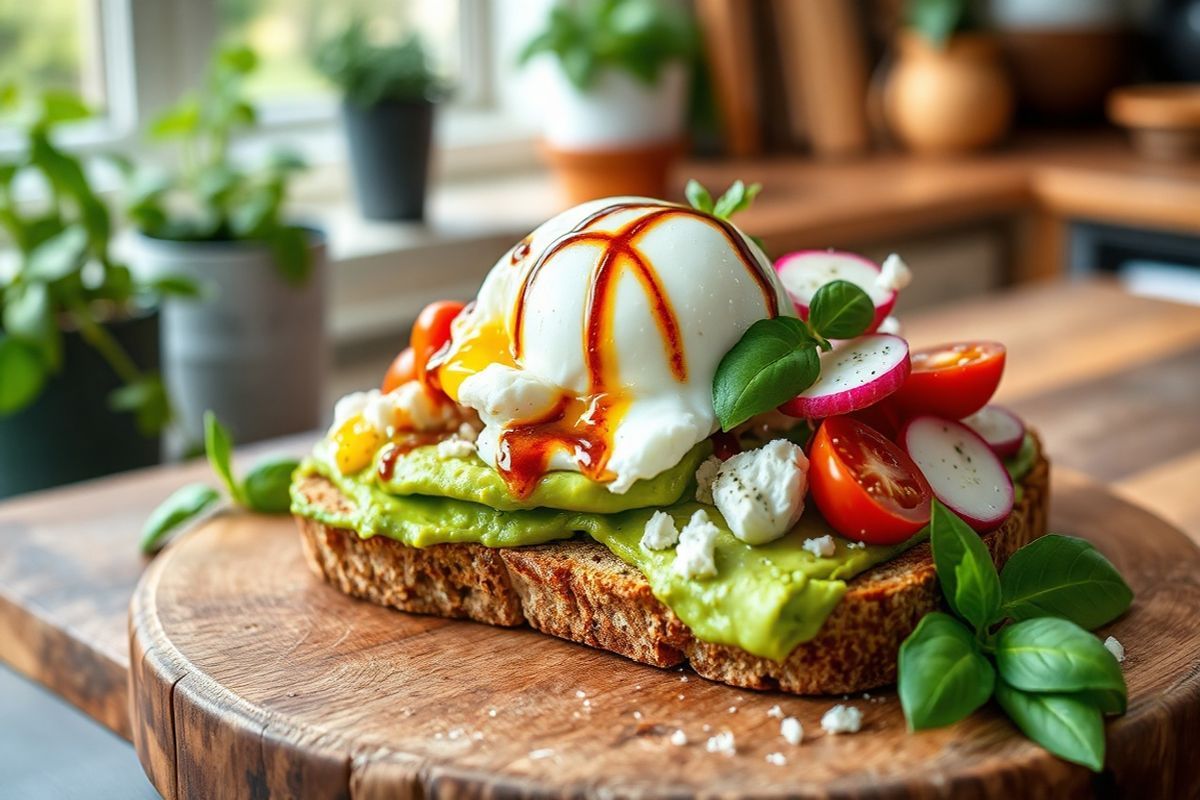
{"x": 389, "y": 156}
{"x": 69, "y": 433}
{"x": 253, "y": 349}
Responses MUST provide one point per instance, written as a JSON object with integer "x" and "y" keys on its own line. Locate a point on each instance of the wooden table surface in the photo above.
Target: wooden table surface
{"x": 1110, "y": 380}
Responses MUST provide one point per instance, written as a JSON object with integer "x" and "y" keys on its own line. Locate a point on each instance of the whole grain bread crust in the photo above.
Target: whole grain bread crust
{"x": 578, "y": 590}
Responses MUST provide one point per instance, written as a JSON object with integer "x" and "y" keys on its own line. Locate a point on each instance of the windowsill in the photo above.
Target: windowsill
{"x": 383, "y": 273}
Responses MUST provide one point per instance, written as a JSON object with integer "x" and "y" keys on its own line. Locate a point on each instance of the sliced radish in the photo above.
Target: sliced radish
{"x": 854, "y": 375}
{"x": 961, "y": 469}
{"x": 804, "y": 272}
{"x": 999, "y": 427}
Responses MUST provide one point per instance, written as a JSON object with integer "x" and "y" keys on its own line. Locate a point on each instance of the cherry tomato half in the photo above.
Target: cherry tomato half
{"x": 866, "y": 487}
{"x": 402, "y": 370}
{"x": 953, "y": 380}
{"x": 430, "y": 332}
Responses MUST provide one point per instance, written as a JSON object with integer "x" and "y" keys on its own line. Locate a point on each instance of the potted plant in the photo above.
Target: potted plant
{"x": 948, "y": 91}
{"x": 388, "y": 94}
{"x": 79, "y": 393}
{"x": 252, "y": 347}
{"x": 615, "y": 89}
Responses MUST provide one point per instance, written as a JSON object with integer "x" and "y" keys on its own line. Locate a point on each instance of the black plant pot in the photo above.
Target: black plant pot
{"x": 389, "y": 154}
{"x": 69, "y": 433}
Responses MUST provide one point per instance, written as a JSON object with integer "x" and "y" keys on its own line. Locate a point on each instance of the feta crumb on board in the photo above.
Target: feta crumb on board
{"x": 821, "y": 547}
{"x": 775, "y": 711}
{"x": 760, "y": 492}
{"x": 679, "y": 738}
{"x": 776, "y": 759}
{"x": 722, "y": 743}
{"x": 1116, "y": 648}
{"x": 695, "y": 554}
{"x": 536, "y": 755}
{"x": 791, "y": 730}
{"x": 705, "y": 475}
{"x": 660, "y": 532}
{"x": 842, "y": 719}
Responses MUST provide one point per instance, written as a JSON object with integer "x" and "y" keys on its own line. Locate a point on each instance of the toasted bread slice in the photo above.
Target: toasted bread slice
{"x": 578, "y": 590}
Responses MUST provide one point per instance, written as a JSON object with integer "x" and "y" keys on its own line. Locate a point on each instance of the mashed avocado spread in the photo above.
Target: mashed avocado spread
{"x": 764, "y": 599}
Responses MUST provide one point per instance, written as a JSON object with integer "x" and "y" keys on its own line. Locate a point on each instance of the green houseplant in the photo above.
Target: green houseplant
{"x": 79, "y": 392}
{"x": 388, "y": 94}
{"x": 252, "y": 347}
{"x": 615, "y": 77}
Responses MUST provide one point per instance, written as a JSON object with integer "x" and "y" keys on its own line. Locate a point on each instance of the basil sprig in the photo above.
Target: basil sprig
{"x": 1025, "y": 640}
{"x": 738, "y": 197}
{"x": 265, "y": 489}
{"x": 776, "y": 359}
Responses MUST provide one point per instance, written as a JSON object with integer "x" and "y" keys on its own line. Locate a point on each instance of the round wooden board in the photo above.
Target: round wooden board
{"x": 251, "y": 678}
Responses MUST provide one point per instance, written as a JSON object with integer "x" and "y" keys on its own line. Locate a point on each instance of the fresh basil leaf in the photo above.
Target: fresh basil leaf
{"x": 1053, "y": 655}
{"x": 1062, "y": 576}
{"x": 58, "y": 256}
{"x": 964, "y": 568}
{"x": 841, "y": 310}
{"x": 22, "y": 374}
{"x": 184, "y": 505}
{"x": 943, "y": 675}
{"x": 219, "y": 447}
{"x": 698, "y": 196}
{"x": 737, "y": 197}
{"x": 267, "y": 485}
{"x": 1068, "y": 726}
{"x": 773, "y": 362}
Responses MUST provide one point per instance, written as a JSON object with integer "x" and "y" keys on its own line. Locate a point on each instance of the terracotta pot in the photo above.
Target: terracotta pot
{"x": 619, "y": 136}
{"x": 951, "y": 99}
{"x": 590, "y": 174}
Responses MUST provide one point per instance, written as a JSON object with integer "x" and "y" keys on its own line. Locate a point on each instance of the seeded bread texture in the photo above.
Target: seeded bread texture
{"x": 577, "y": 590}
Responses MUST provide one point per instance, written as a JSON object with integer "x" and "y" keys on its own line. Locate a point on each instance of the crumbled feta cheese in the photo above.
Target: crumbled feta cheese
{"x": 1116, "y": 648}
{"x": 580, "y": 694}
{"x": 891, "y": 325}
{"x": 455, "y": 448}
{"x": 545, "y": 752}
{"x": 761, "y": 492}
{"x": 679, "y": 738}
{"x": 894, "y": 274}
{"x": 660, "y": 533}
{"x": 467, "y": 432}
{"x": 705, "y": 475}
{"x": 777, "y": 759}
{"x": 842, "y": 719}
{"x": 722, "y": 743}
{"x": 775, "y": 711}
{"x": 492, "y": 712}
{"x": 791, "y": 730}
{"x": 821, "y": 547}
{"x": 694, "y": 556}
{"x": 856, "y": 545}
{"x": 349, "y": 406}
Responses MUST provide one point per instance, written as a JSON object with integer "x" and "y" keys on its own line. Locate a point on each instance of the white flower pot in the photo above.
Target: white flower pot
{"x": 616, "y": 111}
{"x": 253, "y": 349}
{"x": 618, "y": 137}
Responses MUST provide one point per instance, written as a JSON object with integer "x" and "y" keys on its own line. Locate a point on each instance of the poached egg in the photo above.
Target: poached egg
{"x": 593, "y": 342}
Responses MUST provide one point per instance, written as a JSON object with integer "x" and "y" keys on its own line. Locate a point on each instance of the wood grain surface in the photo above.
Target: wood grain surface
{"x": 253, "y": 678}
{"x": 69, "y": 560}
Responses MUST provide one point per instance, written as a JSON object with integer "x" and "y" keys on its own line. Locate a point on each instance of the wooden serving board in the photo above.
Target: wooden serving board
{"x": 252, "y": 678}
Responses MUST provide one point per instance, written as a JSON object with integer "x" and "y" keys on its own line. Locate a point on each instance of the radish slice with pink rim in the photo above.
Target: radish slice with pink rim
{"x": 856, "y": 374}
{"x": 804, "y": 272}
{"x": 961, "y": 469}
{"x": 999, "y": 427}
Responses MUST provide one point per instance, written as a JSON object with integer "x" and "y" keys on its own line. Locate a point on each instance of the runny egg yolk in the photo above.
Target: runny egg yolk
{"x": 355, "y": 444}
{"x": 487, "y": 344}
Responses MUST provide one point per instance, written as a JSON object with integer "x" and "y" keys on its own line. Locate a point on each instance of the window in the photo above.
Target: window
{"x": 53, "y": 44}
{"x": 130, "y": 58}
{"x": 285, "y": 33}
